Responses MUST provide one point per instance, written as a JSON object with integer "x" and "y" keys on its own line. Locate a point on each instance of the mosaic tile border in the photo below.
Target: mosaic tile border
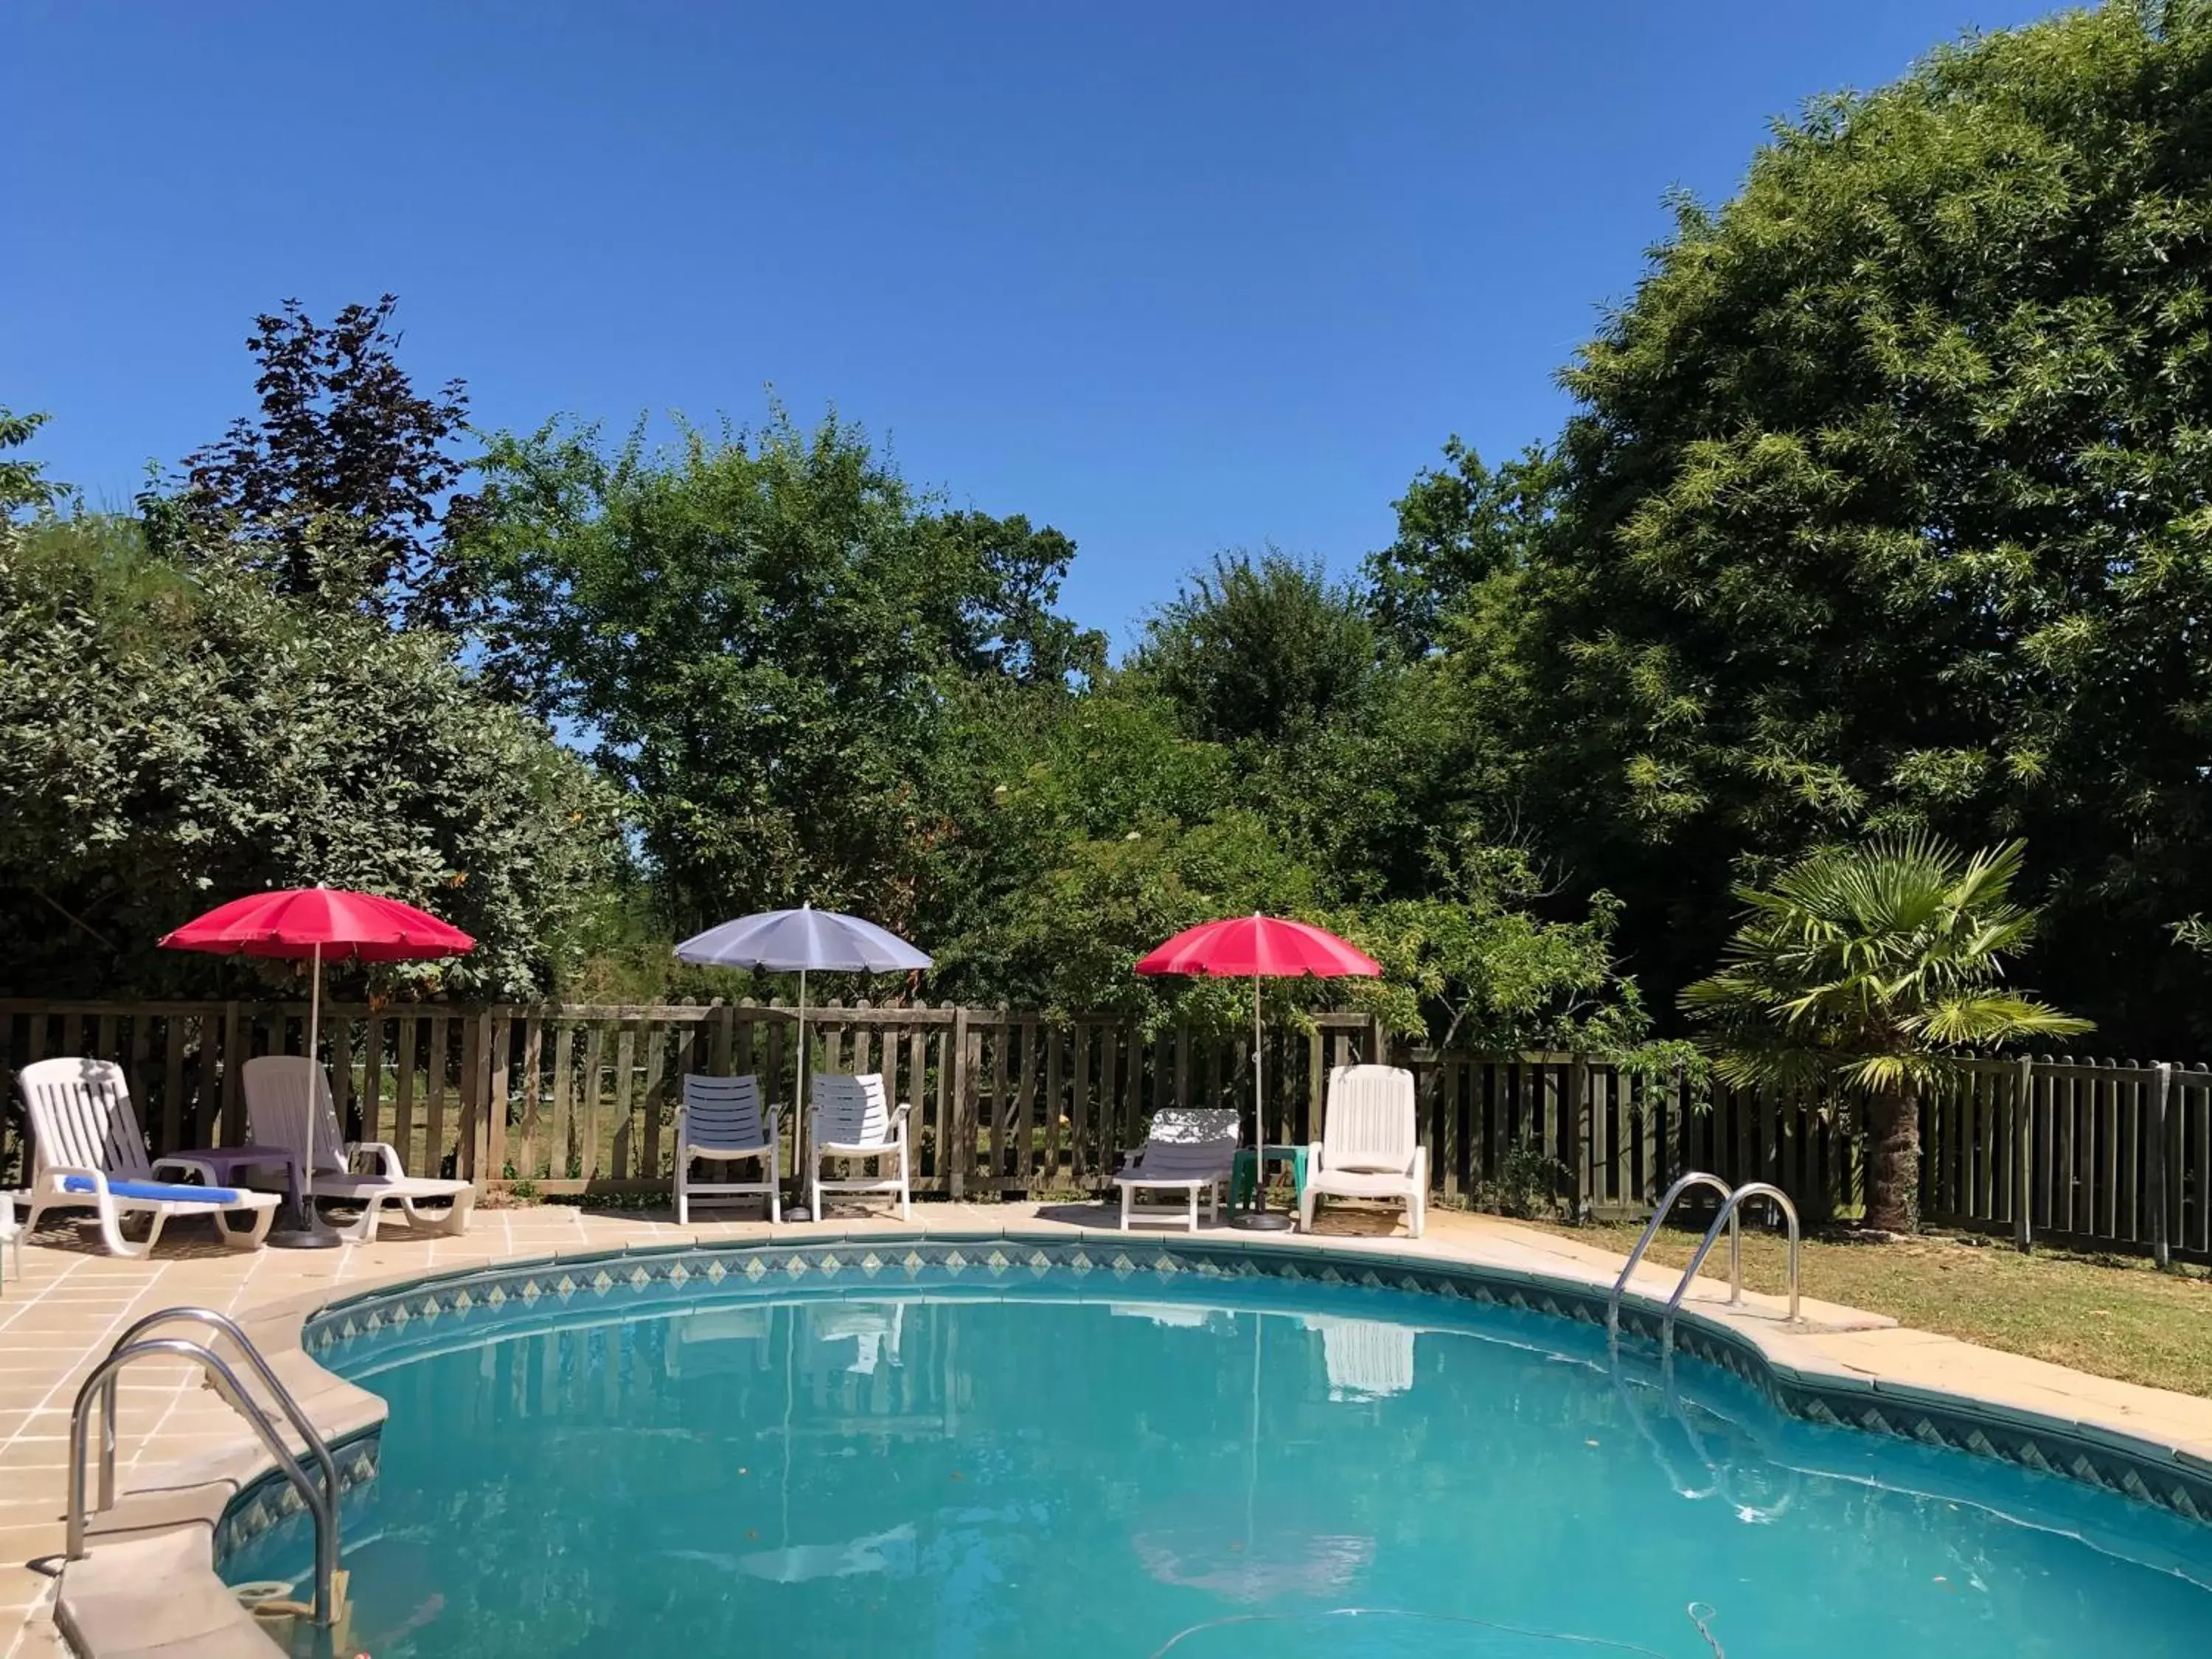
{"x": 271, "y": 1500}
{"x": 432, "y": 1311}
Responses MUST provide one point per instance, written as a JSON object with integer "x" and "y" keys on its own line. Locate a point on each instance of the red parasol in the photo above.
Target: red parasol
{"x": 314, "y": 923}
{"x": 1259, "y": 947}
{"x": 321, "y": 921}
{"x": 1262, "y": 947}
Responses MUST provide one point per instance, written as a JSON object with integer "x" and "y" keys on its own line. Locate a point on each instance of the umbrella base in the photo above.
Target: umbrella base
{"x": 302, "y": 1228}
{"x": 797, "y": 1213}
{"x": 1262, "y": 1221}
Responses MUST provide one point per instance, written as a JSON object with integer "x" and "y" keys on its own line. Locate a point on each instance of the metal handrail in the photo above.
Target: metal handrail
{"x": 1726, "y": 1217}
{"x": 228, "y": 1327}
{"x": 323, "y": 1505}
{"x": 1695, "y": 1178}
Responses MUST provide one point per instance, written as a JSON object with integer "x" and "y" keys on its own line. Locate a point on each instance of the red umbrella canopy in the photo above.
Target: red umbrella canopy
{"x": 1266, "y": 947}
{"x": 293, "y": 921}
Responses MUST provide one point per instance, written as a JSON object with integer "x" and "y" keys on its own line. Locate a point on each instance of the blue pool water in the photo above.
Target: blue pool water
{"x": 1056, "y": 1467}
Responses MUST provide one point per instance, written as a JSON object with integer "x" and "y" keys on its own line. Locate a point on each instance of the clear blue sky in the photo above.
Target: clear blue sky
{"x": 1172, "y": 276}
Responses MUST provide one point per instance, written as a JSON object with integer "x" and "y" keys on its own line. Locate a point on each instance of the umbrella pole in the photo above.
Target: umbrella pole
{"x": 799, "y": 1208}
{"x": 303, "y": 1229}
{"x": 1259, "y": 1217}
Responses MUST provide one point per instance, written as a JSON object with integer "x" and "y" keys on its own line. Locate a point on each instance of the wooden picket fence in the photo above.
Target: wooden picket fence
{"x": 581, "y": 1100}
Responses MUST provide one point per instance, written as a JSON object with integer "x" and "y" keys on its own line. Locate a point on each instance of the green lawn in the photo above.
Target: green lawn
{"x": 2114, "y": 1316}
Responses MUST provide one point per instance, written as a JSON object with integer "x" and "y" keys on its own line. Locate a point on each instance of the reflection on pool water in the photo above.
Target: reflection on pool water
{"x": 1052, "y": 1469}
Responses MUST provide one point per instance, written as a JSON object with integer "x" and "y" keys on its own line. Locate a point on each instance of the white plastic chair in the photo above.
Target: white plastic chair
{"x": 278, "y": 1111}
{"x": 1370, "y": 1145}
{"x": 721, "y": 1121}
{"x": 91, "y": 1154}
{"x": 1189, "y": 1150}
{"x": 852, "y": 1118}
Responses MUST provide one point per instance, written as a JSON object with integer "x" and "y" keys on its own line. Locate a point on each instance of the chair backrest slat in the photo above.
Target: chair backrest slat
{"x": 851, "y": 1111}
{"x": 1368, "y": 1124}
{"x": 722, "y": 1112}
{"x": 284, "y": 1093}
{"x": 1186, "y": 1142}
{"x": 1366, "y": 1359}
{"x": 81, "y": 1116}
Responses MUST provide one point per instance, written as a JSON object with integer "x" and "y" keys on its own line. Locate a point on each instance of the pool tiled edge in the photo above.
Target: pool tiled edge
{"x": 1786, "y": 1367}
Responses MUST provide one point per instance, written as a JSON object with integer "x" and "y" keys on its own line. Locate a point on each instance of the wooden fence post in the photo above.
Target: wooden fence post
{"x": 2023, "y": 1156}
{"x": 959, "y": 1129}
{"x": 1580, "y": 1153}
{"x": 2162, "y": 1095}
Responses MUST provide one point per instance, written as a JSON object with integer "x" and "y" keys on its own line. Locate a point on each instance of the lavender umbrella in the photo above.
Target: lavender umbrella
{"x": 802, "y": 941}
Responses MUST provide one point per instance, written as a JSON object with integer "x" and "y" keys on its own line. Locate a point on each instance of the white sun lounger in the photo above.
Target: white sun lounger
{"x": 276, "y": 1110}
{"x": 91, "y": 1154}
{"x": 721, "y": 1121}
{"x": 1189, "y": 1150}
{"x": 852, "y": 1118}
{"x": 1370, "y": 1145}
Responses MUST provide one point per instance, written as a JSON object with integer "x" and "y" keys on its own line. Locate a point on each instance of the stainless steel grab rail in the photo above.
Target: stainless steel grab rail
{"x": 321, "y": 1503}
{"x": 229, "y": 1327}
{"x": 1695, "y": 1178}
{"x": 1728, "y": 1218}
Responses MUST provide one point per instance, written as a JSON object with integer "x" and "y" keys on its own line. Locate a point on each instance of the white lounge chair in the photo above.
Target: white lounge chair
{"x": 1189, "y": 1150}
{"x": 1370, "y": 1145}
{"x": 852, "y": 1118}
{"x": 91, "y": 1154}
{"x": 278, "y": 1108}
{"x": 1367, "y": 1359}
{"x": 720, "y": 1120}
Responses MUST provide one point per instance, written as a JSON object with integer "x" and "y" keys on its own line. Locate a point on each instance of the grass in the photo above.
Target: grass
{"x": 2110, "y": 1316}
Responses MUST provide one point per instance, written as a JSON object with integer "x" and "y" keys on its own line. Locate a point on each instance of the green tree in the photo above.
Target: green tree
{"x": 1459, "y": 524}
{"x": 1885, "y": 506}
{"x": 1874, "y": 968}
{"x": 174, "y": 734}
{"x": 1260, "y": 646}
{"x": 772, "y": 643}
{"x": 23, "y": 483}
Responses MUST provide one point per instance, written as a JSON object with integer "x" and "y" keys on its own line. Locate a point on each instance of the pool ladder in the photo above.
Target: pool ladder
{"x": 133, "y": 1345}
{"x": 1732, "y": 1202}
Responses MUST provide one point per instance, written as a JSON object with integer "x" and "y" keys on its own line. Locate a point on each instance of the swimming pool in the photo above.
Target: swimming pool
{"x": 1012, "y": 1450}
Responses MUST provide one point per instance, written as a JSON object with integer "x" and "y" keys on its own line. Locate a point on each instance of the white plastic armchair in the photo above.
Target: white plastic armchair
{"x": 852, "y": 1118}
{"x": 1370, "y": 1145}
{"x": 721, "y": 1121}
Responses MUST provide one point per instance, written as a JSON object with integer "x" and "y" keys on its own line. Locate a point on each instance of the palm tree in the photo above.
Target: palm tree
{"x": 1877, "y": 968}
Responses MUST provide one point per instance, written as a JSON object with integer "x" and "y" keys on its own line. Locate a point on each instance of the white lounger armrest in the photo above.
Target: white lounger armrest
{"x": 389, "y": 1164}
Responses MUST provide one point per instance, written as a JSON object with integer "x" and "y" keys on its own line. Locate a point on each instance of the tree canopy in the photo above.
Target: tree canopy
{"x": 1884, "y": 506}
{"x": 175, "y": 734}
{"x": 1881, "y": 511}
